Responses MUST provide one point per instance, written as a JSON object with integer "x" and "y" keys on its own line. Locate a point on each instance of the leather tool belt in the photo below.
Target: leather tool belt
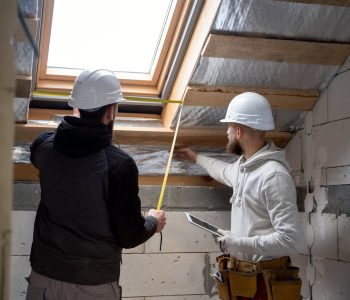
{"x": 238, "y": 278}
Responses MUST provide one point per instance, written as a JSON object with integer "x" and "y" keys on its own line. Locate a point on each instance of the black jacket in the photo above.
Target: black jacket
{"x": 89, "y": 208}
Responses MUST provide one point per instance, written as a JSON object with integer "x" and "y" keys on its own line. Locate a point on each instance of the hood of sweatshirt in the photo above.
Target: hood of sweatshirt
{"x": 79, "y": 137}
{"x": 267, "y": 153}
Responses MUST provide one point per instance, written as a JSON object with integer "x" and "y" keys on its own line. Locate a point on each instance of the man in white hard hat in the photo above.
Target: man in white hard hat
{"x": 89, "y": 208}
{"x": 265, "y": 225}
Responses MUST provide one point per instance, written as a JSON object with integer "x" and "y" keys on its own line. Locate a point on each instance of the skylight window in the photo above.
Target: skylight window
{"x": 119, "y": 35}
{"x": 134, "y": 38}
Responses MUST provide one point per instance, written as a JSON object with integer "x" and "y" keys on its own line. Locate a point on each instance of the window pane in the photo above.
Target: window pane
{"x": 120, "y": 35}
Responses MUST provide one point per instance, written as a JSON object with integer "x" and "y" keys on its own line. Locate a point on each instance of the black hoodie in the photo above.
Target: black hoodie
{"x": 89, "y": 208}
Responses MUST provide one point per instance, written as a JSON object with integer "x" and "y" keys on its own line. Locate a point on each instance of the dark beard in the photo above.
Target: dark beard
{"x": 234, "y": 147}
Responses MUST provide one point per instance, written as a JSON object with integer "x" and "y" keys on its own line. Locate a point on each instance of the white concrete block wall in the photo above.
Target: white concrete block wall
{"x": 178, "y": 272}
{"x": 322, "y": 149}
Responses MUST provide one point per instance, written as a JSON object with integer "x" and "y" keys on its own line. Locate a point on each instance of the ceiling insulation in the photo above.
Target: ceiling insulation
{"x": 284, "y": 20}
{"x": 235, "y": 72}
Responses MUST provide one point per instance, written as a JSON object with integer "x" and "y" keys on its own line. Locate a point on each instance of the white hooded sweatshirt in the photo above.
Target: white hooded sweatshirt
{"x": 264, "y": 218}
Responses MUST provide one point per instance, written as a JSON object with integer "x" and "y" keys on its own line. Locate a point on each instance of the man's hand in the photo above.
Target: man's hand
{"x": 184, "y": 152}
{"x": 160, "y": 216}
{"x": 225, "y": 240}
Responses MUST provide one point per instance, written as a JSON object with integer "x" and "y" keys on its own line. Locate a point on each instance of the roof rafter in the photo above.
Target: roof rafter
{"x": 290, "y": 51}
{"x": 220, "y": 96}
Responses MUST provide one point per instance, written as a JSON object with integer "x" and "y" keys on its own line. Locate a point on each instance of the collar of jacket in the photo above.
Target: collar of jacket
{"x": 79, "y": 137}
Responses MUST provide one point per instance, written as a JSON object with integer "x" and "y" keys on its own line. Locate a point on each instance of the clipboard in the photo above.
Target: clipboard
{"x": 202, "y": 224}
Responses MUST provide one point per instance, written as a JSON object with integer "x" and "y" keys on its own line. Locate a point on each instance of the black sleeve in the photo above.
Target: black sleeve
{"x": 129, "y": 227}
{"x": 45, "y": 136}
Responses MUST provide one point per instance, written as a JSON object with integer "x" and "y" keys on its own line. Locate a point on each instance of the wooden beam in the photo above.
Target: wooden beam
{"x": 19, "y": 35}
{"x": 221, "y": 96}
{"x": 322, "y": 2}
{"x": 47, "y": 114}
{"x": 8, "y": 17}
{"x": 190, "y": 60}
{"x": 23, "y": 86}
{"x": 214, "y": 137}
{"x": 290, "y": 51}
{"x": 27, "y": 172}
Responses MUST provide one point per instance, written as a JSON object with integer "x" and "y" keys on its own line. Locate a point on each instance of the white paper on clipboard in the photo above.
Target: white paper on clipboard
{"x": 203, "y": 224}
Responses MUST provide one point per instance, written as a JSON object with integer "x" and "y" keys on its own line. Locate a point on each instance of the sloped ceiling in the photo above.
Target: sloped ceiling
{"x": 285, "y": 50}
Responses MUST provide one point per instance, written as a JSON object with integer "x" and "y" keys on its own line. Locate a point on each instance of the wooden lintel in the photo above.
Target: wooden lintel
{"x": 213, "y": 137}
{"x": 290, "y": 51}
{"x": 23, "y": 85}
{"x": 322, "y": 2}
{"x": 302, "y": 100}
{"x": 27, "y": 172}
{"x": 20, "y": 36}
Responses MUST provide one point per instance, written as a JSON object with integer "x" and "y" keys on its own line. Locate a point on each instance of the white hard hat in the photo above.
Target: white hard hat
{"x": 95, "y": 88}
{"x": 250, "y": 109}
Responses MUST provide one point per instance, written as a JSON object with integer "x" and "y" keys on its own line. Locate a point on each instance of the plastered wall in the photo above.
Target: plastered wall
{"x": 320, "y": 158}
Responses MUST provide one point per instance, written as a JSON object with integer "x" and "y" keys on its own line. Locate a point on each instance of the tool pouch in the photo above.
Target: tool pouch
{"x": 243, "y": 284}
{"x": 286, "y": 289}
{"x": 282, "y": 284}
{"x": 224, "y": 287}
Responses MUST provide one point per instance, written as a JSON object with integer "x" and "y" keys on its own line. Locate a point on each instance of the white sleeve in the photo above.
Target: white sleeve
{"x": 279, "y": 197}
{"x": 217, "y": 169}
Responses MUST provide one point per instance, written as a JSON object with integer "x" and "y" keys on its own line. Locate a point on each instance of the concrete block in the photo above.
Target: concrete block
{"x": 301, "y": 262}
{"x": 165, "y": 274}
{"x": 338, "y": 176}
{"x": 20, "y": 268}
{"x": 320, "y": 109}
{"x": 344, "y": 237}
{"x": 26, "y": 196}
{"x": 339, "y": 97}
{"x": 304, "y": 219}
{"x": 189, "y": 297}
{"x": 22, "y": 232}
{"x": 332, "y": 280}
{"x": 325, "y": 230}
{"x": 338, "y": 199}
{"x": 199, "y": 197}
{"x": 294, "y": 152}
{"x": 181, "y": 236}
{"x": 187, "y": 197}
{"x": 333, "y": 137}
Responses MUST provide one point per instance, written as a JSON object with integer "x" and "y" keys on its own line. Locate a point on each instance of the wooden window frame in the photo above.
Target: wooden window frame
{"x": 149, "y": 85}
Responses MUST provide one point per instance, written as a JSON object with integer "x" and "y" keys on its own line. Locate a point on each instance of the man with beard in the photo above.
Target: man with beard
{"x": 265, "y": 225}
{"x": 89, "y": 208}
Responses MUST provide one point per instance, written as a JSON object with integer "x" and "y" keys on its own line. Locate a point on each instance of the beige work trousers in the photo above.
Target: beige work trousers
{"x": 43, "y": 288}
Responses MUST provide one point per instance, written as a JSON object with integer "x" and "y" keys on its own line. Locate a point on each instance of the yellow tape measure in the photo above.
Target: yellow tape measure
{"x": 161, "y": 196}
{"x": 129, "y": 98}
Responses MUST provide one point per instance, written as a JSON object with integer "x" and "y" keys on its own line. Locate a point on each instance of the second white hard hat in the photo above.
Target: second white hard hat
{"x": 95, "y": 88}
{"x": 250, "y": 109}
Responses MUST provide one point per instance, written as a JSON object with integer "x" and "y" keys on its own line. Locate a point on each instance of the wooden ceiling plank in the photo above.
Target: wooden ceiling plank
{"x": 214, "y": 137}
{"x": 279, "y": 99}
{"x": 27, "y": 172}
{"x": 23, "y": 86}
{"x": 289, "y": 51}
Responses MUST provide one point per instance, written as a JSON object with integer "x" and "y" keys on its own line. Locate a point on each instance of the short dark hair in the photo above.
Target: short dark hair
{"x": 94, "y": 115}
